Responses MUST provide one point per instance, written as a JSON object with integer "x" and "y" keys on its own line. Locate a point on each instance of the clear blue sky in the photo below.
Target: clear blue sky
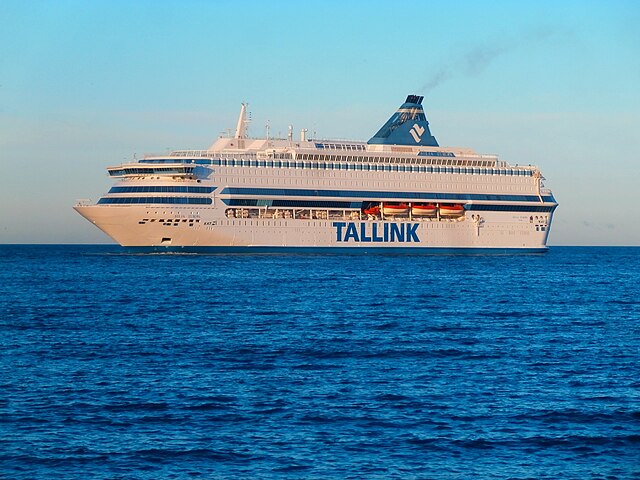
{"x": 85, "y": 85}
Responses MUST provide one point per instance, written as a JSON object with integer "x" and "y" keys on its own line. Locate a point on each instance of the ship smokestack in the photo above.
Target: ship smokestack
{"x": 407, "y": 126}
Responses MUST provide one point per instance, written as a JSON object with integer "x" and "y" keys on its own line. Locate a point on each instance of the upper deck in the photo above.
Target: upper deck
{"x": 404, "y": 145}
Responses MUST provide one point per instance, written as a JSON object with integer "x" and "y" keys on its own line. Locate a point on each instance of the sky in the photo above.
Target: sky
{"x": 87, "y": 85}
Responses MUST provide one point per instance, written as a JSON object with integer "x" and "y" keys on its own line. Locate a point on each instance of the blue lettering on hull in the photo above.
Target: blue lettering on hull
{"x": 370, "y": 232}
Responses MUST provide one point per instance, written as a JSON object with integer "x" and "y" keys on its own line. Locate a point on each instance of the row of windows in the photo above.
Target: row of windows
{"x": 294, "y": 192}
{"x": 150, "y": 171}
{"x": 161, "y": 189}
{"x": 341, "y": 146}
{"x": 436, "y": 154}
{"x": 400, "y": 160}
{"x": 300, "y": 164}
{"x": 171, "y": 200}
{"x": 325, "y": 166}
{"x": 197, "y": 161}
{"x": 349, "y": 162}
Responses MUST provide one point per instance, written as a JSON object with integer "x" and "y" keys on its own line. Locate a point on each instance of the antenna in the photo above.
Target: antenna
{"x": 268, "y": 128}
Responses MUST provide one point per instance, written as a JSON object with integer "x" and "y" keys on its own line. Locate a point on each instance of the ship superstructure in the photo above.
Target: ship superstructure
{"x": 400, "y": 191}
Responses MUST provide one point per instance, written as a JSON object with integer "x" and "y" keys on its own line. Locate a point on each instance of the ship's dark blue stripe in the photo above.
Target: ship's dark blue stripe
{"x": 161, "y": 189}
{"x": 511, "y": 208}
{"x": 372, "y": 195}
{"x": 253, "y": 202}
{"x": 144, "y": 200}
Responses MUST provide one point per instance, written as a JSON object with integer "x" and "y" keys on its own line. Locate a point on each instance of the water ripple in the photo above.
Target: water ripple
{"x": 267, "y": 366}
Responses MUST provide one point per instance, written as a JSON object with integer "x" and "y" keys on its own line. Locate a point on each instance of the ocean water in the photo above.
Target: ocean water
{"x": 116, "y": 366}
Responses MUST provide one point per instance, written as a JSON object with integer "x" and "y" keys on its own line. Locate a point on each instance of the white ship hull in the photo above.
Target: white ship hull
{"x": 131, "y": 226}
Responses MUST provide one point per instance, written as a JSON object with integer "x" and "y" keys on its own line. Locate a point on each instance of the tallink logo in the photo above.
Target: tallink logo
{"x": 376, "y": 232}
{"x": 416, "y": 132}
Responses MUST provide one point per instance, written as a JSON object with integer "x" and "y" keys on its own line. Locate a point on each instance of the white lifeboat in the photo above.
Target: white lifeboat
{"x": 423, "y": 210}
{"x": 393, "y": 209}
{"x": 451, "y": 209}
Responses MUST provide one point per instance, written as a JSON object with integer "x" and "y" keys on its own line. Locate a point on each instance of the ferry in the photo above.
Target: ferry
{"x": 399, "y": 192}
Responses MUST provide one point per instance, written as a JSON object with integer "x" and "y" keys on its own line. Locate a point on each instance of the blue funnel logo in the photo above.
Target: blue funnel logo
{"x": 408, "y": 126}
{"x": 416, "y": 132}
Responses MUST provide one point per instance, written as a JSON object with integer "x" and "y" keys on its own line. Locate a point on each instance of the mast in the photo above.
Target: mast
{"x": 241, "y": 128}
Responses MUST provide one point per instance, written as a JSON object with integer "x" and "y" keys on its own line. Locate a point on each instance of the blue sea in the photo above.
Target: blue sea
{"x": 117, "y": 366}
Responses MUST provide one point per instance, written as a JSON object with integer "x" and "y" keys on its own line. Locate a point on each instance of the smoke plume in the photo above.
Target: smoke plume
{"x": 476, "y": 60}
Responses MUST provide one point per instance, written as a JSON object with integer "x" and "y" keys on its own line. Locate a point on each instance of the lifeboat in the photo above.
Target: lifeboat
{"x": 375, "y": 210}
{"x": 426, "y": 210}
{"x": 395, "y": 209}
{"x": 454, "y": 209}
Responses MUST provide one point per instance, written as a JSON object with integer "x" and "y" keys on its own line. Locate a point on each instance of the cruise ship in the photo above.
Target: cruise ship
{"x": 399, "y": 192}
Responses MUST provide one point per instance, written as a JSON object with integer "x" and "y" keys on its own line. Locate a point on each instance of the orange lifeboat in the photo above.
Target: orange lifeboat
{"x": 423, "y": 210}
{"x": 375, "y": 210}
{"x": 452, "y": 209}
{"x": 392, "y": 209}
